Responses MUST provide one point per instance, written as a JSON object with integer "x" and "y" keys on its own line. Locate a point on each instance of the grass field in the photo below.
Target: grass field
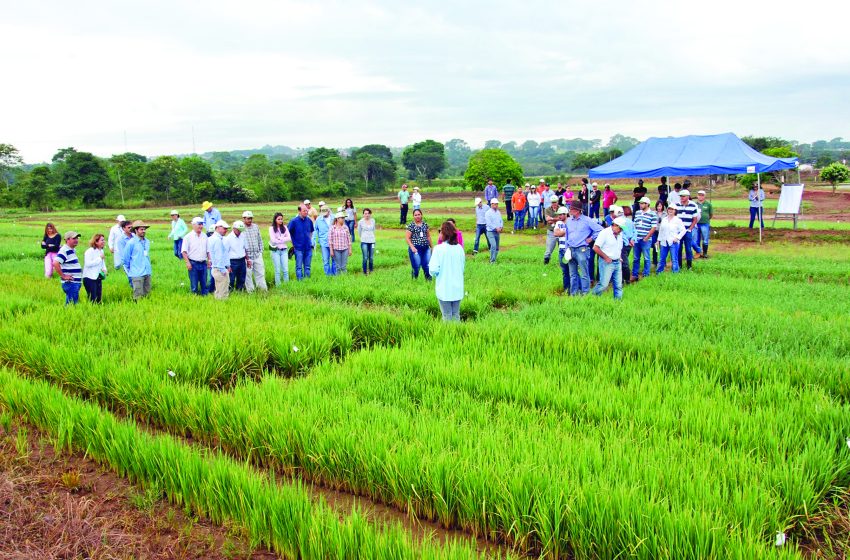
{"x": 699, "y": 417}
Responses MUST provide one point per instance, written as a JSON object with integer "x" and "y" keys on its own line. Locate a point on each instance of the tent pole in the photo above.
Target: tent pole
{"x": 761, "y": 203}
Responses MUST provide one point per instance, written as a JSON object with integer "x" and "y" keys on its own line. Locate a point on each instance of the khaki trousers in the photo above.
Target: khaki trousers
{"x": 256, "y": 275}
{"x": 222, "y": 283}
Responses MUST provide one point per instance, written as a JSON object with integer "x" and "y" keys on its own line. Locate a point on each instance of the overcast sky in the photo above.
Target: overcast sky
{"x": 249, "y": 73}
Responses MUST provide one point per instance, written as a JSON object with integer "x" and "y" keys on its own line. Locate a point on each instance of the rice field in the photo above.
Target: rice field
{"x": 701, "y": 417}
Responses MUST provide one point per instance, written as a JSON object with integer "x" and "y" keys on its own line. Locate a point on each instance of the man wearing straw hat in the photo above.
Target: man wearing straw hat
{"x": 137, "y": 261}
{"x": 67, "y": 264}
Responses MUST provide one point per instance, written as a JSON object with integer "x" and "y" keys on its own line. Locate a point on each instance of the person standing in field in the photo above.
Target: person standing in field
{"x": 688, "y": 212}
{"x": 459, "y": 234}
{"x": 177, "y": 233}
{"x": 366, "y": 230}
{"x": 196, "y": 257}
{"x": 609, "y": 197}
{"x": 447, "y": 265}
{"x": 126, "y": 237}
{"x": 67, "y": 265}
{"x": 534, "y": 201}
{"x": 673, "y": 198}
{"x": 481, "y": 224}
{"x": 639, "y": 192}
{"x": 580, "y": 233}
{"x": 646, "y": 226}
{"x": 609, "y": 246}
{"x": 559, "y": 232}
{"x": 491, "y": 191}
{"x": 663, "y": 191}
{"x": 301, "y": 231}
{"x": 584, "y": 198}
{"x": 312, "y": 213}
{"x": 94, "y": 268}
{"x": 211, "y": 216}
{"x": 671, "y": 230}
{"x": 756, "y": 197}
{"x": 220, "y": 260}
{"x": 629, "y": 235}
{"x": 278, "y": 240}
{"x": 519, "y": 202}
{"x": 255, "y": 275}
{"x": 703, "y": 229}
{"x": 137, "y": 261}
{"x": 320, "y": 238}
{"x": 546, "y": 198}
{"x": 551, "y": 216}
{"x": 115, "y": 233}
{"x": 419, "y": 245}
{"x": 416, "y": 199}
{"x": 495, "y": 224}
{"x": 239, "y": 262}
{"x": 594, "y": 198}
{"x": 51, "y": 243}
{"x": 350, "y": 217}
{"x": 403, "y": 198}
{"x": 508, "y": 192}
{"x": 660, "y": 214}
{"x": 339, "y": 239}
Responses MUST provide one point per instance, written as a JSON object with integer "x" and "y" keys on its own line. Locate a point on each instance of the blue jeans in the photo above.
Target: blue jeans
{"x": 178, "y": 249}
{"x": 673, "y": 251}
{"x": 533, "y": 216}
{"x": 350, "y": 225}
{"x": 687, "y": 247}
{"x": 641, "y": 249}
{"x": 480, "y": 229}
{"x": 493, "y": 241}
{"x": 565, "y": 271}
{"x": 519, "y": 219}
{"x": 450, "y": 310}
{"x": 594, "y": 210}
{"x": 608, "y": 273}
{"x": 238, "y": 272}
{"x": 702, "y": 233}
{"x": 368, "y": 252}
{"x": 420, "y": 259}
{"x": 579, "y": 278}
{"x": 198, "y": 278}
{"x": 280, "y": 260}
{"x": 72, "y": 292}
{"x": 328, "y": 261}
{"x": 755, "y": 215}
{"x": 302, "y": 263}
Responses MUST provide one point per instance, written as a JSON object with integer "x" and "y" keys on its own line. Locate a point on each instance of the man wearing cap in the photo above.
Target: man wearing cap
{"x": 580, "y": 232}
{"x": 480, "y": 224}
{"x": 196, "y": 257}
{"x": 220, "y": 260}
{"x": 256, "y": 273}
{"x": 559, "y": 232}
{"x": 688, "y": 212}
{"x": 239, "y": 261}
{"x": 178, "y": 232}
{"x": 609, "y": 247}
{"x": 508, "y": 192}
{"x": 490, "y": 191}
{"x": 547, "y": 196}
{"x": 646, "y": 224}
{"x": 609, "y": 197}
{"x": 756, "y": 197}
{"x": 301, "y": 230}
{"x": 67, "y": 265}
{"x": 494, "y": 225}
{"x": 519, "y": 202}
{"x": 211, "y": 217}
{"x": 551, "y": 216}
{"x": 126, "y": 236}
{"x": 137, "y": 261}
{"x": 321, "y": 239}
{"x": 595, "y": 197}
{"x": 403, "y": 198}
{"x": 115, "y": 234}
{"x": 416, "y": 199}
{"x": 312, "y": 213}
{"x": 703, "y": 229}
{"x": 639, "y": 192}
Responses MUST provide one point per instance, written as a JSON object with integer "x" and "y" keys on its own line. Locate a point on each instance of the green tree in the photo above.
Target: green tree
{"x": 457, "y": 155}
{"x": 379, "y": 151}
{"x": 835, "y": 173}
{"x": 424, "y": 159}
{"x": 376, "y": 172}
{"x": 762, "y": 143}
{"x": 492, "y": 144}
{"x": 197, "y": 170}
{"x": 780, "y": 152}
{"x": 296, "y": 178}
{"x": 622, "y": 143}
{"x": 165, "y": 179}
{"x": 496, "y": 164}
{"x": 128, "y": 172}
{"x": 37, "y": 188}
{"x": 9, "y": 158}
{"x": 84, "y": 178}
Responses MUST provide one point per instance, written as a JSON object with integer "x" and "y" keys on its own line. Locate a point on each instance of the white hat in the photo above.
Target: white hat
{"x": 222, "y": 223}
{"x": 239, "y": 224}
{"x": 528, "y": 184}
{"x": 197, "y": 220}
{"x": 416, "y": 188}
{"x": 617, "y": 210}
{"x": 594, "y": 185}
{"x": 247, "y": 214}
{"x": 563, "y": 210}
{"x": 306, "y": 201}
{"x": 542, "y": 180}
{"x": 699, "y": 192}
{"x": 339, "y": 215}
{"x": 322, "y": 203}
{"x": 120, "y": 218}
{"x": 620, "y": 221}
{"x": 645, "y": 199}
{"x": 684, "y": 192}
{"x": 494, "y": 201}
{"x": 477, "y": 200}
{"x": 174, "y": 213}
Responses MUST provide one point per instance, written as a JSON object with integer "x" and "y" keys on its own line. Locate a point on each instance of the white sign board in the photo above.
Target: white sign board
{"x": 751, "y": 169}
{"x": 790, "y": 199}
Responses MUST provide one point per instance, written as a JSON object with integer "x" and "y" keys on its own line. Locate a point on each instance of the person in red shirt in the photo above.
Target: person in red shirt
{"x": 518, "y": 203}
{"x": 609, "y": 197}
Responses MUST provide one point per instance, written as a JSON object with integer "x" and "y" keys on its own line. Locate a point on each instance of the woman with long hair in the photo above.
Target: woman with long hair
{"x": 51, "y": 243}
{"x": 447, "y": 265}
{"x": 278, "y": 239}
{"x": 366, "y": 229}
{"x": 94, "y": 268}
{"x": 350, "y": 217}
{"x": 419, "y": 245}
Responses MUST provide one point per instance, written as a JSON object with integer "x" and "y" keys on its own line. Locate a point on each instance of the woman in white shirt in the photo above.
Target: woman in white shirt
{"x": 366, "y": 231}
{"x": 447, "y": 263}
{"x": 94, "y": 269}
{"x": 534, "y": 200}
{"x": 671, "y": 230}
{"x": 416, "y": 199}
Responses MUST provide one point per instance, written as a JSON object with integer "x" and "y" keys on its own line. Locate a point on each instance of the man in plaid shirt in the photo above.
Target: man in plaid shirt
{"x": 254, "y": 250}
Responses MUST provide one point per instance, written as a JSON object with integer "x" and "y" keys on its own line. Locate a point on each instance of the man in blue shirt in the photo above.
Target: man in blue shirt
{"x": 137, "y": 261}
{"x": 494, "y": 225}
{"x": 211, "y": 217}
{"x": 320, "y": 237}
{"x": 220, "y": 260}
{"x": 490, "y": 191}
{"x": 480, "y": 224}
{"x": 580, "y": 232}
{"x": 301, "y": 230}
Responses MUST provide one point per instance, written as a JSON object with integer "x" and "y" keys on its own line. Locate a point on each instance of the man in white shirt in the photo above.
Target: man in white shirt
{"x": 196, "y": 257}
{"x": 112, "y": 241}
{"x": 239, "y": 261}
{"x": 609, "y": 246}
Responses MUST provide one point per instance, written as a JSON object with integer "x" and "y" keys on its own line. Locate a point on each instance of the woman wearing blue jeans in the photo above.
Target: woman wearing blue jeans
{"x": 366, "y": 230}
{"x": 419, "y": 245}
{"x": 350, "y": 217}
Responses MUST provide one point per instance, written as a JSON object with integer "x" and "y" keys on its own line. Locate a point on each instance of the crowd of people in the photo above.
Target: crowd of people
{"x": 619, "y": 245}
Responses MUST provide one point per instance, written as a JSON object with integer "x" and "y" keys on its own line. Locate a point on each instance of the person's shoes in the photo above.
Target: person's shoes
{"x": 545, "y": 261}
{"x": 474, "y": 252}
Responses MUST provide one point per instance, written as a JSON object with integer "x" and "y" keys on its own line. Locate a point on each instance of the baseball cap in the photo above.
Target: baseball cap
{"x": 247, "y": 214}
{"x": 494, "y": 201}
{"x": 684, "y": 192}
{"x": 700, "y": 192}
{"x": 322, "y": 203}
{"x": 594, "y": 185}
{"x": 71, "y": 235}
{"x": 197, "y": 220}
{"x": 563, "y": 210}
{"x": 222, "y": 223}
{"x": 477, "y": 200}
{"x": 306, "y": 201}
{"x": 542, "y": 180}
{"x": 645, "y": 200}
{"x": 120, "y": 218}
{"x": 239, "y": 224}
{"x": 615, "y": 209}
{"x": 620, "y": 221}
{"x": 174, "y": 213}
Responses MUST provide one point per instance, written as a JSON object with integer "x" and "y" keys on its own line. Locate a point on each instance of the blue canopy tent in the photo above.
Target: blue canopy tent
{"x": 719, "y": 154}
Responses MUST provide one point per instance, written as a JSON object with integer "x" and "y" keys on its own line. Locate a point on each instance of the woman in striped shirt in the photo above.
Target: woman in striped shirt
{"x": 339, "y": 240}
